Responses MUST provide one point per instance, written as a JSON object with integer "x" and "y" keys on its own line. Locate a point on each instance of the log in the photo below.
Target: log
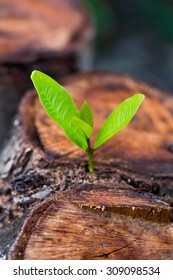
{"x": 52, "y": 36}
{"x": 90, "y": 225}
{"x": 124, "y": 210}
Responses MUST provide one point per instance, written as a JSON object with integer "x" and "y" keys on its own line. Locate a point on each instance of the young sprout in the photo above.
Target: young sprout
{"x": 78, "y": 125}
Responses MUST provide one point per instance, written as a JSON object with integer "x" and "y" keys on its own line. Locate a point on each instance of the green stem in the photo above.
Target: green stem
{"x": 90, "y": 153}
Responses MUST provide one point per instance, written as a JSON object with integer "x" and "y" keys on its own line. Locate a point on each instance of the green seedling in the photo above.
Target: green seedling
{"x": 78, "y": 125}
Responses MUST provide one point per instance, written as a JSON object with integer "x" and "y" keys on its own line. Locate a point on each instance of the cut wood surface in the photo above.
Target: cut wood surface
{"x": 124, "y": 210}
{"x": 49, "y": 35}
{"x": 145, "y": 146}
{"x": 41, "y": 27}
{"x": 84, "y": 224}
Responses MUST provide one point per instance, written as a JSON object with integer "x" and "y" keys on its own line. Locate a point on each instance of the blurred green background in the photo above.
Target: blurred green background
{"x": 135, "y": 37}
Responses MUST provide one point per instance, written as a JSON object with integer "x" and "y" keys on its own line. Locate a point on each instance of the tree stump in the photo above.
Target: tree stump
{"x": 52, "y": 36}
{"x": 123, "y": 210}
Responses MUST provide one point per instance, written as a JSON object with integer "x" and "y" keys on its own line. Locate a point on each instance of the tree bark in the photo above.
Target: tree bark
{"x": 123, "y": 210}
{"x": 51, "y": 36}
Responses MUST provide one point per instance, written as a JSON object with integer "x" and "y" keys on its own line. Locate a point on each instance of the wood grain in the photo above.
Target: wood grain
{"x": 143, "y": 145}
{"x": 39, "y": 27}
{"x": 122, "y": 211}
{"x": 74, "y": 226}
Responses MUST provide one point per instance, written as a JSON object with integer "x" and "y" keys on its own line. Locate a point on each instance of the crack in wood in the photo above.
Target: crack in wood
{"x": 106, "y": 255}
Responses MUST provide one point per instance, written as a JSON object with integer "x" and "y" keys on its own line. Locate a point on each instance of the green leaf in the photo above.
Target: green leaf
{"x": 60, "y": 106}
{"x": 86, "y": 113}
{"x": 118, "y": 119}
{"x": 87, "y": 129}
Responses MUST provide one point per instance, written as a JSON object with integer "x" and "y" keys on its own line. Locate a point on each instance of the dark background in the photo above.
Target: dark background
{"x": 135, "y": 37}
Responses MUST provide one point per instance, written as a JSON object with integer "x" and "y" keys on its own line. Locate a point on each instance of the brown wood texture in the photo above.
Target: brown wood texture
{"x": 144, "y": 146}
{"x": 124, "y": 210}
{"x": 49, "y": 35}
{"x": 74, "y": 226}
{"x": 40, "y": 27}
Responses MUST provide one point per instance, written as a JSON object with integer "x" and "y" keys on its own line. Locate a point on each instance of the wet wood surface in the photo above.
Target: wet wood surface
{"x": 124, "y": 210}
